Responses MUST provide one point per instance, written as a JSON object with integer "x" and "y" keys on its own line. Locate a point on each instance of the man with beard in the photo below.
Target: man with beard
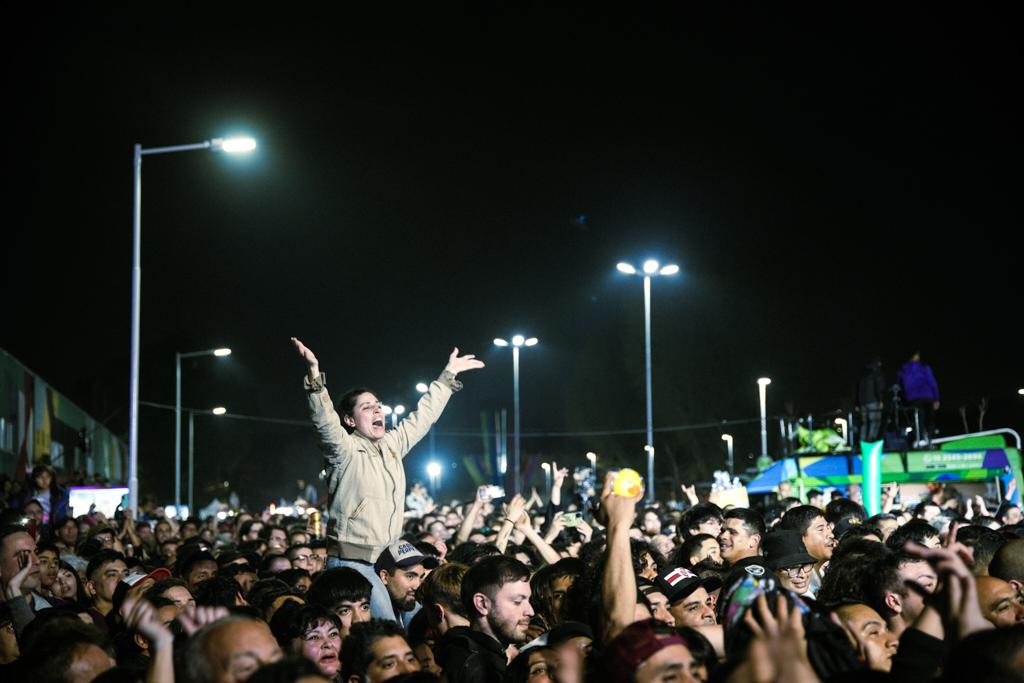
{"x": 496, "y": 594}
{"x": 401, "y": 568}
{"x": 689, "y": 596}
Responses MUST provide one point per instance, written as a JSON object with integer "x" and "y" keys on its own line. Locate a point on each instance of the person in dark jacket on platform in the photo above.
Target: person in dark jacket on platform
{"x": 921, "y": 391}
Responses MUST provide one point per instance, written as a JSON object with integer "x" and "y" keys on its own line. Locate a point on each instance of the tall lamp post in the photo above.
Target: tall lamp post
{"x": 518, "y": 341}
{"x": 762, "y": 383}
{"x": 231, "y": 145}
{"x": 218, "y": 411}
{"x": 727, "y": 438}
{"x": 592, "y": 457}
{"x": 651, "y": 268}
{"x": 220, "y": 353}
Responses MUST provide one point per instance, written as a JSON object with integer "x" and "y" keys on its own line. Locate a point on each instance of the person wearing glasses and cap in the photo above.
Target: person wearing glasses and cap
{"x": 786, "y": 555}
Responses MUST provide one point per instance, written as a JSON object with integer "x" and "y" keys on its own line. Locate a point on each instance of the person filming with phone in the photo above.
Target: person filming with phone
{"x": 365, "y": 474}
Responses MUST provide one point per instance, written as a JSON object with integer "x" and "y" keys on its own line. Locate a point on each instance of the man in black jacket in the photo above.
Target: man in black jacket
{"x": 496, "y": 594}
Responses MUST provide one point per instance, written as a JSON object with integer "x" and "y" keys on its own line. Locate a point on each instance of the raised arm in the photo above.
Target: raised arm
{"x": 513, "y": 511}
{"x": 333, "y": 436}
{"x": 549, "y": 554}
{"x": 618, "y": 588}
{"x": 467, "y": 522}
{"x": 430, "y": 406}
{"x": 312, "y": 363}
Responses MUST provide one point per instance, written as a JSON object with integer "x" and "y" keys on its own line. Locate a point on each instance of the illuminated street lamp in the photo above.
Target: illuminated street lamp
{"x": 651, "y": 268}
{"x": 761, "y": 384}
{"x": 592, "y": 457}
{"x": 218, "y": 411}
{"x": 434, "y": 476}
{"x": 546, "y": 466}
{"x": 396, "y": 415}
{"x": 220, "y": 353}
{"x": 230, "y": 145}
{"x": 727, "y": 438}
{"x": 518, "y": 341}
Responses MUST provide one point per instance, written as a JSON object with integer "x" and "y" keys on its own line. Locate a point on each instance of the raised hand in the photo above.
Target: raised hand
{"x": 515, "y": 508}
{"x": 617, "y": 509}
{"x": 558, "y": 475}
{"x": 194, "y": 618}
{"x": 13, "y": 587}
{"x": 586, "y": 531}
{"x": 457, "y": 363}
{"x": 311, "y": 362}
{"x": 778, "y": 651}
{"x": 690, "y": 492}
{"x": 141, "y": 616}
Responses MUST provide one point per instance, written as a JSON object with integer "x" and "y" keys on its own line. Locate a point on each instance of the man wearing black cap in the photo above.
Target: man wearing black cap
{"x": 689, "y": 599}
{"x": 401, "y": 568}
{"x": 786, "y": 555}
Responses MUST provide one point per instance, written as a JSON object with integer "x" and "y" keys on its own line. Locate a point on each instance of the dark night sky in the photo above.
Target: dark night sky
{"x": 832, "y": 186}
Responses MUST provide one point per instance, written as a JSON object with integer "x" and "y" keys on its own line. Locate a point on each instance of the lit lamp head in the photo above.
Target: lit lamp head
{"x": 222, "y": 352}
{"x": 421, "y": 387}
{"x": 386, "y": 410}
{"x": 219, "y": 410}
{"x": 764, "y": 381}
{"x": 727, "y": 438}
{"x": 433, "y": 469}
{"x": 399, "y": 409}
{"x": 233, "y": 145}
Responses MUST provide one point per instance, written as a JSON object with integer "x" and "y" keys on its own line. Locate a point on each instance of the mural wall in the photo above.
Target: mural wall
{"x": 38, "y": 424}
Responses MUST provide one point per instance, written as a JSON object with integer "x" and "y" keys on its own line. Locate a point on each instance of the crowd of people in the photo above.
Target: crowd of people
{"x": 561, "y": 586}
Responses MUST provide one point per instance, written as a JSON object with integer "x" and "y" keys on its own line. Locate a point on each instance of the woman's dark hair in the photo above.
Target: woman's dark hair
{"x": 542, "y": 588}
{"x": 535, "y": 562}
{"x": 292, "y": 576}
{"x": 81, "y": 596}
{"x": 294, "y": 620}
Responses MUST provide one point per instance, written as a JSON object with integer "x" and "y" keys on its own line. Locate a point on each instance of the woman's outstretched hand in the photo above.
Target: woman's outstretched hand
{"x": 309, "y": 357}
{"x": 456, "y": 363}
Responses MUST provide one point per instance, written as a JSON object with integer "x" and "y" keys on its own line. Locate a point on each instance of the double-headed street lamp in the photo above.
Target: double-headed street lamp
{"x": 518, "y": 341}
{"x": 231, "y": 145}
{"x": 651, "y": 268}
{"x": 220, "y": 353}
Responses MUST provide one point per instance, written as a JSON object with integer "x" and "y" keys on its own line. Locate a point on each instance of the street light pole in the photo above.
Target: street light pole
{"x": 518, "y": 341}
{"x": 229, "y": 145}
{"x": 762, "y": 383}
{"x": 177, "y": 420}
{"x": 191, "y": 454}
{"x": 727, "y": 438}
{"x": 650, "y": 269}
{"x": 650, "y": 399}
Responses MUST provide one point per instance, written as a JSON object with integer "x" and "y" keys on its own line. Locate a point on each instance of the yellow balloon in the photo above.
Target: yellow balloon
{"x": 628, "y": 482}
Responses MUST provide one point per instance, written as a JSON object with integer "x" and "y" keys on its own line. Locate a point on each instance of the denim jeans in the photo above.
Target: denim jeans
{"x": 380, "y": 599}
